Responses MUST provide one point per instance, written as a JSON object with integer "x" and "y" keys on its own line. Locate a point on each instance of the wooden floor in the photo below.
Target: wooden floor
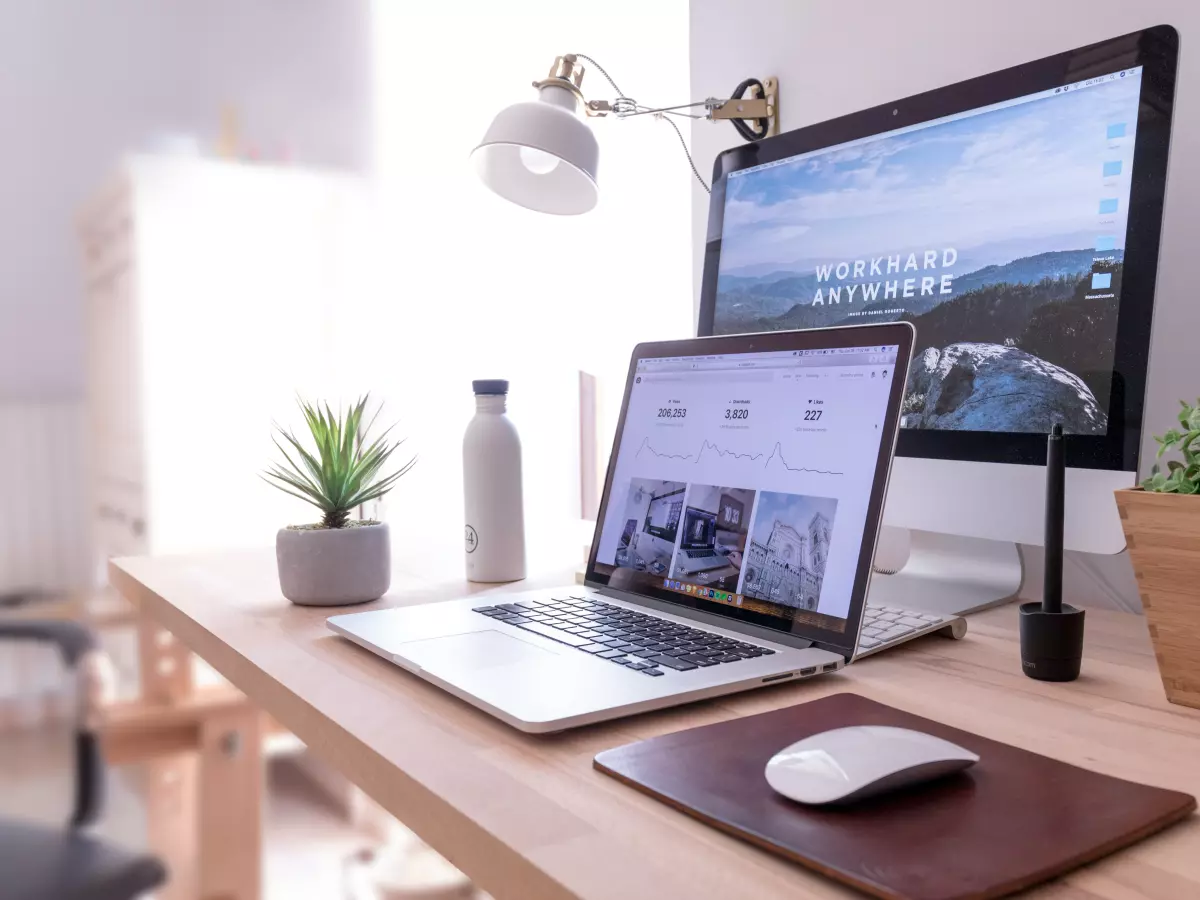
{"x": 306, "y": 841}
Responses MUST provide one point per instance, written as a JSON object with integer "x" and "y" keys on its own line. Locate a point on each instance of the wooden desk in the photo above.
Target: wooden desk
{"x": 528, "y": 818}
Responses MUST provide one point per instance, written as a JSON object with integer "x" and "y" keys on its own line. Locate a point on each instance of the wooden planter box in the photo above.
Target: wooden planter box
{"x": 1163, "y": 534}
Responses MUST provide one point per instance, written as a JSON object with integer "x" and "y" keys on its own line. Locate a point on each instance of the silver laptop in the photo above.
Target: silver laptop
{"x": 770, "y": 451}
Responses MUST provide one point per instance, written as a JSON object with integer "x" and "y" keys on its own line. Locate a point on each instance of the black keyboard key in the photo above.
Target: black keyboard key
{"x": 511, "y": 607}
{"x": 516, "y": 620}
{"x": 765, "y": 651}
{"x": 611, "y": 643}
{"x": 637, "y": 666}
{"x": 496, "y": 613}
{"x": 594, "y": 648}
{"x": 628, "y": 648}
{"x": 699, "y": 660}
{"x": 653, "y": 672}
{"x": 675, "y": 652}
{"x": 657, "y": 648}
{"x": 709, "y": 653}
{"x": 611, "y": 654}
{"x": 554, "y": 634}
{"x": 481, "y": 609}
{"x": 679, "y": 665}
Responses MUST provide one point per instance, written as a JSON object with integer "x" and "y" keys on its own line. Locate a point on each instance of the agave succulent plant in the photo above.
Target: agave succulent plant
{"x": 347, "y": 468}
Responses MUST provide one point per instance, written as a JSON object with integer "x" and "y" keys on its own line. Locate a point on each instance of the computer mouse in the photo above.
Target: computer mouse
{"x": 849, "y": 764}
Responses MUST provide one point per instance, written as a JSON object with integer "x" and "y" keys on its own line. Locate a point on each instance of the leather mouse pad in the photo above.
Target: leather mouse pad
{"x": 1011, "y": 821}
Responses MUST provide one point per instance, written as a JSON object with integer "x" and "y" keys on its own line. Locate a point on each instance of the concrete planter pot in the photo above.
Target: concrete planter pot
{"x": 1162, "y": 532}
{"x": 334, "y": 566}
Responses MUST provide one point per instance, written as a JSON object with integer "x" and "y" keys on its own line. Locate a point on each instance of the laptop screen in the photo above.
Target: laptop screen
{"x": 742, "y": 481}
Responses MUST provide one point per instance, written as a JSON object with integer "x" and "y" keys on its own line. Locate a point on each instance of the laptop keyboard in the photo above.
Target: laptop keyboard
{"x": 699, "y": 554}
{"x": 638, "y": 641}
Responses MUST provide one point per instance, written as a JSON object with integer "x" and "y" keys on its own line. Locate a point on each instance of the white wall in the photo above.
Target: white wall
{"x": 85, "y": 82}
{"x": 837, "y": 56}
{"x": 482, "y": 288}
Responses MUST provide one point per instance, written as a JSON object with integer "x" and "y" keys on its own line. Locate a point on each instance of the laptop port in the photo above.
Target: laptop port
{"x": 829, "y": 667}
{"x": 777, "y": 677}
{"x": 811, "y": 670}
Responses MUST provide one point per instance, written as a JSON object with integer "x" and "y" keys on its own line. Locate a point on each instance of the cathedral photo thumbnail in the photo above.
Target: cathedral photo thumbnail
{"x": 789, "y": 544}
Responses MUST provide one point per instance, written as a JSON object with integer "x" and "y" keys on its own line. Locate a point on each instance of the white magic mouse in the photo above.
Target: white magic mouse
{"x": 861, "y": 761}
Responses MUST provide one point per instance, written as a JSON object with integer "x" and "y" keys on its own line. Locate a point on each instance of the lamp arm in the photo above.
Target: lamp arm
{"x": 738, "y": 110}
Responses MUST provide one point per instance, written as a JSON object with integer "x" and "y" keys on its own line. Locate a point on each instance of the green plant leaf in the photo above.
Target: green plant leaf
{"x": 1167, "y": 441}
{"x": 1174, "y": 465}
{"x": 344, "y": 469}
{"x": 1192, "y": 422}
{"x": 1188, "y": 487}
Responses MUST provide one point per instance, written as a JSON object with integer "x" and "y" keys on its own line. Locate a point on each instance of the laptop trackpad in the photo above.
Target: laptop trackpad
{"x": 476, "y": 649}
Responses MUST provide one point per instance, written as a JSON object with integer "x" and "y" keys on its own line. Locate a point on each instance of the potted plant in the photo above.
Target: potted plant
{"x": 339, "y": 560}
{"x": 1162, "y": 530}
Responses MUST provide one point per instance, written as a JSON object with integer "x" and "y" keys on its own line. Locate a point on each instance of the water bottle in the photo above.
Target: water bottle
{"x": 495, "y": 514}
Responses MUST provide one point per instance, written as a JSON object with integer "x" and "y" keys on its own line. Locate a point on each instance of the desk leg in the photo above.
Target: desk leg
{"x": 165, "y": 664}
{"x": 170, "y": 792}
{"x": 229, "y": 798}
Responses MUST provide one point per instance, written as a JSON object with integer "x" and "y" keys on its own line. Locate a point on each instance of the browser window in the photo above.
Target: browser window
{"x": 744, "y": 479}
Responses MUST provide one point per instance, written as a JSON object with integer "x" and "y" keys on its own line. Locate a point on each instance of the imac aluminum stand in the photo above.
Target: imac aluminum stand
{"x": 944, "y": 573}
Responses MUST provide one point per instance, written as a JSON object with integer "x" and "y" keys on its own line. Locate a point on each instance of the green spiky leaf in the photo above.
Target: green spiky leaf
{"x": 346, "y": 466}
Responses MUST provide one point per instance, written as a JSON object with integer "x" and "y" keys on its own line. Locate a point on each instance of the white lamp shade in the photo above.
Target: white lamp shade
{"x": 541, "y": 156}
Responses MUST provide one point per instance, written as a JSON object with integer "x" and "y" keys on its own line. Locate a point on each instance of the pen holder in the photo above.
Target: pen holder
{"x": 1051, "y": 642}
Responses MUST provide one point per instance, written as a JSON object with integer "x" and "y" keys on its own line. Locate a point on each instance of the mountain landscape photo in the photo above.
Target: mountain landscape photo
{"x": 1033, "y": 331}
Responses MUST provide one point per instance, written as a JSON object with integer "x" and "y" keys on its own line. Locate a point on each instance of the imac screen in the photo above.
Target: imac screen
{"x": 998, "y": 232}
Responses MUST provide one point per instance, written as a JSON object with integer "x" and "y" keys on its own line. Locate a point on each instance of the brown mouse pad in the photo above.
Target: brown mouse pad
{"x": 1011, "y": 821}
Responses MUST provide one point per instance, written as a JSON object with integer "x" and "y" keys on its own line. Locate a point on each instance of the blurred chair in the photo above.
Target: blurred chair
{"x": 41, "y": 863}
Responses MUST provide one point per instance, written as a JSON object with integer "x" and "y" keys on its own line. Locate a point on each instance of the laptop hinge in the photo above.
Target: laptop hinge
{"x": 833, "y": 648}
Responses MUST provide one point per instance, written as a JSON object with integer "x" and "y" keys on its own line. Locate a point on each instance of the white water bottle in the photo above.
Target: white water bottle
{"x": 495, "y": 526}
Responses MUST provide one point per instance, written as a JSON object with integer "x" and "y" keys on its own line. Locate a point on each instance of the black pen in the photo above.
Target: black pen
{"x": 1055, "y": 491}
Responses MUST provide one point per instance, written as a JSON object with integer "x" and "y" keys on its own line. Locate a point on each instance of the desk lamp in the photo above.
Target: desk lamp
{"x": 543, "y": 156}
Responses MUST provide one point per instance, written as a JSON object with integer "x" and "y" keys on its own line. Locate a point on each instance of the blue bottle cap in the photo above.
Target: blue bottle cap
{"x": 490, "y": 386}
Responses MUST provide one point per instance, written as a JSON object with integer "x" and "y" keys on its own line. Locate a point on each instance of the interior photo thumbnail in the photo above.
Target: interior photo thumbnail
{"x": 716, "y": 522}
{"x": 789, "y": 545}
{"x": 652, "y": 512}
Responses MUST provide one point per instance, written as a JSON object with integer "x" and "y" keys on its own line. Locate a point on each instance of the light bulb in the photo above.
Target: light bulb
{"x": 539, "y": 162}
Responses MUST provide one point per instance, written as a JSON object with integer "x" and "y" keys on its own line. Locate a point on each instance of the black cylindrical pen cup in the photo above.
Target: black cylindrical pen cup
{"x": 1051, "y": 642}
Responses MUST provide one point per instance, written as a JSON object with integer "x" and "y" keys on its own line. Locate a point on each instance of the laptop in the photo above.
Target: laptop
{"x": 789, "y": 437}
{"x": 697, "y": 548}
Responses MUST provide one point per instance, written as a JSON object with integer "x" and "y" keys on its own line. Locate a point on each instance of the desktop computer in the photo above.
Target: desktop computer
{"x": 1014, "y": 219}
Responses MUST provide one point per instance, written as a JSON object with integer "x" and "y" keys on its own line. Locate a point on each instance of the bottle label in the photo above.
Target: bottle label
{"x": 472, "y": 539}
